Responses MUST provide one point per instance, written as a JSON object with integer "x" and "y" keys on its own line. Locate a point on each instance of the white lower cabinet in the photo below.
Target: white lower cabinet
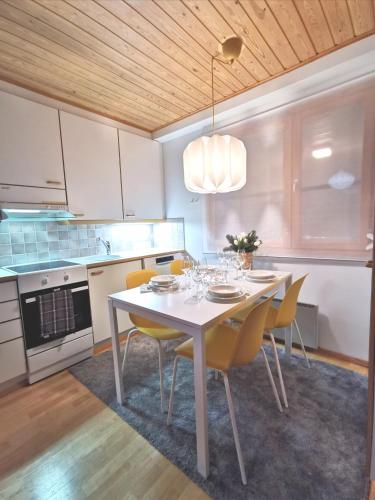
{"x": 102, "y": 282}
{"x": 12, "y": 360}
{"x": 12, "y": 351}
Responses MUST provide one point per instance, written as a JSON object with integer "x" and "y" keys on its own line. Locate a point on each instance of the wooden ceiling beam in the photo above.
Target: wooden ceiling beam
{"x": 89, "y": 46}
{"x": 362, "y": 14}
{"x": 184, "y": 40}
{"x": 147, "y": 63}
{"x": 190, "y": 23}
{"x": 72, "y": 72}
{"x": 240, "y": 22}
{"x": 78, "y": 87}
{"x": 313, "y": 17}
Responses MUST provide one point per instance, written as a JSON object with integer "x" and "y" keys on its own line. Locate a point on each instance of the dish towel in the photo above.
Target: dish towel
{"x": 56, "y": 314}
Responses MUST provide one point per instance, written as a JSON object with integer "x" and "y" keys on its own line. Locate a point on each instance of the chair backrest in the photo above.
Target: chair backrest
{"x": 177, "y": 266}
{"x": 288, "y": 306}
{"x": 134, "y": 279}
{"x": 250, "y": 337}
{"x": 137, "y": 278}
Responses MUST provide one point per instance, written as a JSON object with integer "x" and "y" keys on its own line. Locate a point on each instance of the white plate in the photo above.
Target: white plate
{"x": 163, "y": 279}
{"x": 226, "y": 300}
{"x": 163, "y": 289}
{"x": 261, "y": 274}
{"x": 208, "y": 269}
{"x": 223, "y": 290}
{"x": 260, "y": 280}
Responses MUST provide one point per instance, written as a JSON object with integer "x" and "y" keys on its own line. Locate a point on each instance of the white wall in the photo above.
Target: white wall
{"x": 341, "y": 290}
{"x": 178, "y": 201}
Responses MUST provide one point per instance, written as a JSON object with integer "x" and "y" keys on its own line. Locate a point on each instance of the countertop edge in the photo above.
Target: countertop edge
{"x": 122, "y": 260}
{"x": 11, "y": 277}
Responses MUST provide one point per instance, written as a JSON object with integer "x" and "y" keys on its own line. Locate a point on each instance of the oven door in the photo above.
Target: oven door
{"x": 31, "y": 312}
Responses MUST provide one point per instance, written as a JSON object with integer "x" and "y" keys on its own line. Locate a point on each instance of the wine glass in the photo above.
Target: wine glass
{"x": 186, "y": 269}
{"x": 197, "y": 276}
{"x": 237, "y": 263}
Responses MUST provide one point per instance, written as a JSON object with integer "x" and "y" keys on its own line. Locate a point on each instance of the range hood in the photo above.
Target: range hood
{"x": 34, "y": 212}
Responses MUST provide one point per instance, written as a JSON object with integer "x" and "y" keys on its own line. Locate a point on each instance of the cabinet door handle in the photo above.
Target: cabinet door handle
{"x": 57, "y": 203}
{"x": 96, "y": 273}
{"x": 57, "y": 183}
{"x": 5, "y": 187}
{"x": 78, "y": 215}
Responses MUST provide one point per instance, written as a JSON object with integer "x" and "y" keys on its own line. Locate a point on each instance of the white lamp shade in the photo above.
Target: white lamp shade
{"x": 215, "y": 164}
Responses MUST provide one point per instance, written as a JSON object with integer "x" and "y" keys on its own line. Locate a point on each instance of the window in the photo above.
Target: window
{"x": 310, "y": 179}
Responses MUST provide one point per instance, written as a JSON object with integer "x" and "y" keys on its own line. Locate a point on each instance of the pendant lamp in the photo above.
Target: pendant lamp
{"x": 216, "y": 163}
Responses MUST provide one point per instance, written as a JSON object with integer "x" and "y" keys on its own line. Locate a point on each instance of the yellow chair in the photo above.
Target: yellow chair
{"x": 282, "y": 317}
{"x": 147, "y": 327}
{"x": 227, "y": 347}
{"x": 177, "y": 266}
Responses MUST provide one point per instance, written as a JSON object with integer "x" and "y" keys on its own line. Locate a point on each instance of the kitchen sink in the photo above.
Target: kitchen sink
{"x": 108, "y": 257}
{"x": 102, "y": 258}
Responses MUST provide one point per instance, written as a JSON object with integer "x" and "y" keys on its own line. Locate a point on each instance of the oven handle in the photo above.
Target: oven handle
{"x": 73, "y": 290}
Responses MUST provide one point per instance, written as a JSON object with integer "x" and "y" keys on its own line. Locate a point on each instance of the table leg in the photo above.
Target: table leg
{"x": 200, "y": 385}
{"x": 288, "y": 332}
{"x": 116, "y": 352}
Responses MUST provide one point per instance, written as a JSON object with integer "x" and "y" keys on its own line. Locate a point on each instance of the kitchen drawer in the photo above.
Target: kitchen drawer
{"x": 23, "y": 194}
{"x": 56, "y": 354}
{"x": 10, "y": 330}
{"x": 12, "y": 360}
{"x": 9, "y": 310}
{"x": 8, "y": 291}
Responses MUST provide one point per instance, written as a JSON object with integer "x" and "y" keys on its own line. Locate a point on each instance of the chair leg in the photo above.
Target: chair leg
{"x": 234, "y": 427}
{"x": 161, "y": 374}
{"x": 302, "y": 344}
{"x": 283, "y": 392}
{"x": 130, "y": 334}
{"x": 272, "y": 382}
{"x": 170, "y": 409}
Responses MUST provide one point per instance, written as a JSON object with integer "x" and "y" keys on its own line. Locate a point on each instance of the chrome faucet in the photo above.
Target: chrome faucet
{"x": 107, "y": 245}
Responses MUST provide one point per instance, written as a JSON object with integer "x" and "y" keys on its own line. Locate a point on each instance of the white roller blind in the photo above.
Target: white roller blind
{"x": 310, "y": 178}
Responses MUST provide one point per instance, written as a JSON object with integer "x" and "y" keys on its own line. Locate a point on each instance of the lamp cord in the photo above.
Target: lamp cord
{"x": 212, "y": 86}
{"x": 212, "y": 94}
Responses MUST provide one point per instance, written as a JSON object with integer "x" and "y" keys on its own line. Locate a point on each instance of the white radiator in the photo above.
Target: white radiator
{"x": 307, "y": 319}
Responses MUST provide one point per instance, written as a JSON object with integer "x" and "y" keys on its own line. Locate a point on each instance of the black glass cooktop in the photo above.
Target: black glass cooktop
{"x": 41, "y": 266}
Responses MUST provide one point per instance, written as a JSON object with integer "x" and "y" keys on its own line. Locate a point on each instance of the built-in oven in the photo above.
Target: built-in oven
{"x": 56, "y": 316}
{"x": 32, "y": 319}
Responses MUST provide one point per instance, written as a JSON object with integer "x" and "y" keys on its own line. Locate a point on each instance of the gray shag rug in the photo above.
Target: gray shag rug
{"x": 314, "y": 450}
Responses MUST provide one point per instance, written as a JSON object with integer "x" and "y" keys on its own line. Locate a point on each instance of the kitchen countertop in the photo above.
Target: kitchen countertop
{"x": 6, "y": 275}
{"x": 102, "y": 260}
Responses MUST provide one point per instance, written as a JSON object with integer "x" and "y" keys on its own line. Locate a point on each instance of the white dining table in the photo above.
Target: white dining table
{"x": 174, "y": 310}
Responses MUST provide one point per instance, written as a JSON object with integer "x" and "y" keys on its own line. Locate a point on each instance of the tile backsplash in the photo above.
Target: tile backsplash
{"x": 22, "y": 242}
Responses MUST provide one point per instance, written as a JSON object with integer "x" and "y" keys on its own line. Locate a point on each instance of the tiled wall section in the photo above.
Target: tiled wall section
{"x": 22, "y": 242}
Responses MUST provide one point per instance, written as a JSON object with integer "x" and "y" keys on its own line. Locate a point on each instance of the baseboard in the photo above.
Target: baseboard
{"x": 11, "y": 385}
{"x": 105, "y": 345}
{"x": 327, "y": 353}
{"x": 342, "y": 357}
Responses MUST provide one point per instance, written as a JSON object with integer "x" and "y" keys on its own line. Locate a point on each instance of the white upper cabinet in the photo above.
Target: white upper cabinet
{"x": 30, "y": 145}
{"x": 92, "y": 170}
{"x": 142, "y": 179}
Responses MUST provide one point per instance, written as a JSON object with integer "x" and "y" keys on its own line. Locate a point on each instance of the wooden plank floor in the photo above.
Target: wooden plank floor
{"x": 58, "y": 441}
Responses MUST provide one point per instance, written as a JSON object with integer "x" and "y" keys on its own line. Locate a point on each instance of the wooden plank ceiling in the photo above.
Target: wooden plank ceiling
{"x": 147, "y": 62}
